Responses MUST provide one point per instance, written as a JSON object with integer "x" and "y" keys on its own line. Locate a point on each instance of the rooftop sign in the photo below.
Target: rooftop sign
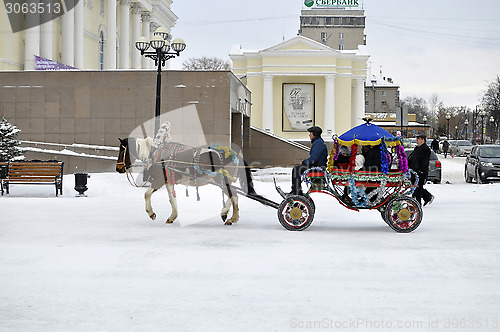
{"x": 331, "y": 3}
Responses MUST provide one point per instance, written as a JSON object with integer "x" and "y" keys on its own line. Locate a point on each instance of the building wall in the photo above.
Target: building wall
{"x": 349, "y": 23}
{"x": 97, "y": 107}
{"x": 302, "y": 60}
{"x": 156, "y": 13}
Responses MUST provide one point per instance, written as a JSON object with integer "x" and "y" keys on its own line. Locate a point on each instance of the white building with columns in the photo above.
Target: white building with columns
{"x": 94, "y": 35}
{"x": 301, "y": 83}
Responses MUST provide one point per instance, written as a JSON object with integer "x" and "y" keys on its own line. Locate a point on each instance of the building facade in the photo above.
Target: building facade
{"x": 381, "y": 95}
{"x": 94, "y": 34}
{"x": 300, "y": 83}
{"x": 340, "y": 29}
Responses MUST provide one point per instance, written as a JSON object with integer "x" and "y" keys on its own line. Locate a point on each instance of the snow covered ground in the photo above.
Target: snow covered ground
{"x": 99, "y": 264}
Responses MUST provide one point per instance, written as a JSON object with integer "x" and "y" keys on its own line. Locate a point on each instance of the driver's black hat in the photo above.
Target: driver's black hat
{"x": 421, "y": 136}
{"x": 315, "y": 130}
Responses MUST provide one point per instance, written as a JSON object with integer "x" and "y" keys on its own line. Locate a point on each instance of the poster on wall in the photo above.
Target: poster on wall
{"x": 298, "y": 106}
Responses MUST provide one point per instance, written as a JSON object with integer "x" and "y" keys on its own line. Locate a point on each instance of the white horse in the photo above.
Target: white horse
{"x": 177, "y": 163}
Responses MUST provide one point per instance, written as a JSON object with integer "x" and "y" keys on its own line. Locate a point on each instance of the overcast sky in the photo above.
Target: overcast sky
{"x": 448, "y": 47}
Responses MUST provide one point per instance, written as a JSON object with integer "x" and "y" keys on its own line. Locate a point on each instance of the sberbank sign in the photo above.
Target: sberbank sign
{"x": 331, "y": 3}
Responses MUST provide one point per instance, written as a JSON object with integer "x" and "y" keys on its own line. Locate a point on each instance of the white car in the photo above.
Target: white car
{"x": 460, "y": 147}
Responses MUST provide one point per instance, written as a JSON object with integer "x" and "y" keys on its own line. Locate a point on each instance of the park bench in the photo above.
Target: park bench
{"x": 33, "y": 172}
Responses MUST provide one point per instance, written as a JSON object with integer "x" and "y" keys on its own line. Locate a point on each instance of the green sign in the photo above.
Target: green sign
{"x": 331, "y": 3}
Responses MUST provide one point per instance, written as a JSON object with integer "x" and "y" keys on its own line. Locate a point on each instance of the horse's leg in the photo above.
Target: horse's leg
{"x": 173, "y": 203}
{"x": 149, "y": 208}
{"x": 236, "y": 211}
{"x": 225, "y": 211}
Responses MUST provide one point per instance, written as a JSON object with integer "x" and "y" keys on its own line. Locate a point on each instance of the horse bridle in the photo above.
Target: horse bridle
{"x": 123, "y": 163}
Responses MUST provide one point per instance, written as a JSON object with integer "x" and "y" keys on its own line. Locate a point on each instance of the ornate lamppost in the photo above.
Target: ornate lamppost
{"x": 448, "y": 117}
{"x": 424, "y": 119}
{"x": 492, "y": 124}
{"x": 466, "y": 123}
{"x": 160, "y": 54}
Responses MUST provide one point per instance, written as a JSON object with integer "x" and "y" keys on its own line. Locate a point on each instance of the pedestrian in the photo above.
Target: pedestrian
{"x": 435, "y": 145}
{"x": 446, "y": 146}
{"x": 419, "y": 162}
{"x": 317, "y": 158}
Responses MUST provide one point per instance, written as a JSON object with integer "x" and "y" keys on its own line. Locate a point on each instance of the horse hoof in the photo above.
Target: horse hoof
{"x": 228, "y": 223}
{"x": 223, "y": 217}
{"x": 152, "y": 216}
{"x": 169, "y": 221}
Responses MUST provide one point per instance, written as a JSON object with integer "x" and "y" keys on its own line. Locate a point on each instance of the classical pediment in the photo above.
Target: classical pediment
{"x": 299, "y": 43}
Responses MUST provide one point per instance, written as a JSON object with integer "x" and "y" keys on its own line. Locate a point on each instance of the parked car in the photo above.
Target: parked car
{"x": 460, "y": 147}
{"x": 483, "y": 164}
{"x": 410, "y": 142}
{"x": 434, "y": 166}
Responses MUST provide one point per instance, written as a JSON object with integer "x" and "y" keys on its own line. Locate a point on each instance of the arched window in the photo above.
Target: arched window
{"x": 101, "y": 50}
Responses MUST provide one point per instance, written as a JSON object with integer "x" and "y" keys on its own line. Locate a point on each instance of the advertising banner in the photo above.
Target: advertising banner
{"x": 298, "y": 106}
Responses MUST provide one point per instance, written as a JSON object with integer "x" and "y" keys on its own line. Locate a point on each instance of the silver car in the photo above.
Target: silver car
{"x": 434, "y": 166}
{"x": 460, "y": 148}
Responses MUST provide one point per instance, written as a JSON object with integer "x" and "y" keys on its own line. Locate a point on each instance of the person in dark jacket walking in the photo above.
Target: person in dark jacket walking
{"x": 435, "y": 145}
{"x": 318, "y": 156}
{"x": 419, "y": 162}
{"x": 446, "y": 146}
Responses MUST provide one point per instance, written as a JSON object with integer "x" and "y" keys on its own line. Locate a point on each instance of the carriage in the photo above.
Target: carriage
{"x": 387, "y": 190}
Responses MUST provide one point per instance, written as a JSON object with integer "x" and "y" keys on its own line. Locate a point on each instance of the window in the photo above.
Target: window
{"x": 102, "y": 8}
{"x": 341, "y": 47}
{"x": 101, "y": 50}
{"x": 383, "y": 93}
{"x": 341, "y": 35}
{"x": 336, "y": 21}
{"x": 323, "y": 37}
{"x": 328, "y": 21}
{"x": 384, "y": 104}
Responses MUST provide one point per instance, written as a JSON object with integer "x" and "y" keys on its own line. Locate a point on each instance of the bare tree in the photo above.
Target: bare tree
{"x": 491, "y": 103}
{"x": 206, "y": 63}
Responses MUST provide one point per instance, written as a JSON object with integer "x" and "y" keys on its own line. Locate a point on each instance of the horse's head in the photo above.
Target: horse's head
{"x": 123, "y": 163}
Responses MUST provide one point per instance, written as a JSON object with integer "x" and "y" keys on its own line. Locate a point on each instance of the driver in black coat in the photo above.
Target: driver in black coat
{"x": 317, "y": 158}
{"x": 419, "y": 162}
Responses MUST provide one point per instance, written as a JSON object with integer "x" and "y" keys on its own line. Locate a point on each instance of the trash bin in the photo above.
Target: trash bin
{"x": 81, "y": 184}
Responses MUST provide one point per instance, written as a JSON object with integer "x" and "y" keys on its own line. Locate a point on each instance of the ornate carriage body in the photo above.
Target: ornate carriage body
{"x": 387, "y": 190}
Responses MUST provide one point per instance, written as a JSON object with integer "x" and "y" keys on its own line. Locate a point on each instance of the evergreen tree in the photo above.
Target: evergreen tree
{"x": 9, "y": 145}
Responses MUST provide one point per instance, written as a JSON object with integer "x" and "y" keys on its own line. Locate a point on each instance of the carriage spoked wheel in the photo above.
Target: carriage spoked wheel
{"x": 403, "y": 214}
{"x": 296, "y": 213}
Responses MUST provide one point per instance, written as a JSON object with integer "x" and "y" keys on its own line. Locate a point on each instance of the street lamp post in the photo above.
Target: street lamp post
{"x": 492, "y": 123}
{"x": 482, "y": 114}
{"x": 425, "y": 121}
{"x": 466, "y": 123}
{"x": 159, "y": 43}
{"x": 448, "y": 117}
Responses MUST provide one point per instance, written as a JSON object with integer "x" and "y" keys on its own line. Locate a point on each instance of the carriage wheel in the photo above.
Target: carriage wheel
{"x": 403, "y": 214}
{"x": 296, "y": 213}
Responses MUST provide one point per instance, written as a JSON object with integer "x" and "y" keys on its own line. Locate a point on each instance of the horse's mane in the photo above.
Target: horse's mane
{"x": 143, "y": 148}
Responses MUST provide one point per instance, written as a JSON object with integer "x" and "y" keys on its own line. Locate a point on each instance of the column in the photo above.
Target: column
{"x": 68, "y": 37}
{"x": 329, "y": 116}
{"x": 46, "y": 38}
{"x": 32, "y": 40}
{"x": 358, "y": 102}
{"x": 124, "y": 34}
{"x": 111, "y": 34}
{"x": 152, "y": 28}
{"x": 267, "y": 104}
{"x": 146, "y": 19}
{"x": 136, "y": 34}
{"x": 79, "y": 35}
